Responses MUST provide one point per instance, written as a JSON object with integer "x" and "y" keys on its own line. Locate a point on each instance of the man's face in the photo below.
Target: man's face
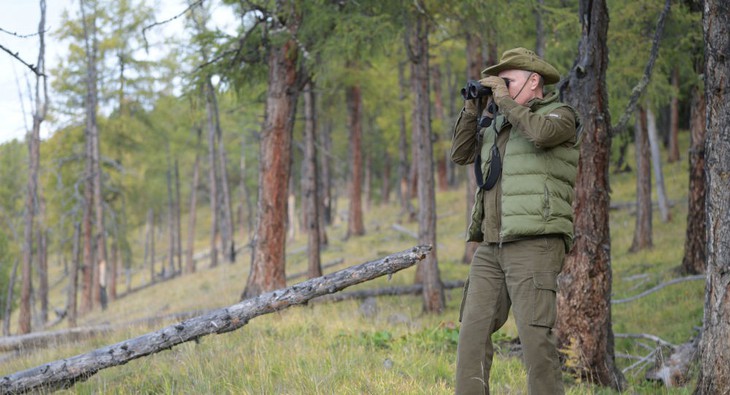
{"x": 522, "y": 85}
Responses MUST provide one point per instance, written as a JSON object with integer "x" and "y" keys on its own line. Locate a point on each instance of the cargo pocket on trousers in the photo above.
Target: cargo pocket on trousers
{"x": 544, "y": 310}
{"x": 463, "y": 299}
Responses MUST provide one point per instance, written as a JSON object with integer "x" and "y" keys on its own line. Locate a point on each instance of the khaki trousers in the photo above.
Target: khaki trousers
{"x": 521, "y": 274}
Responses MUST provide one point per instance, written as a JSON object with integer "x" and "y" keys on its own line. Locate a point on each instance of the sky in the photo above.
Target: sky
{"x": 22, "y": 17}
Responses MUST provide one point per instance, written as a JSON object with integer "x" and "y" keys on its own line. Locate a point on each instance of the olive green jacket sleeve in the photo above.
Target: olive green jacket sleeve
{"x": 464, "y": 141}
{"x": 545, "y": 131}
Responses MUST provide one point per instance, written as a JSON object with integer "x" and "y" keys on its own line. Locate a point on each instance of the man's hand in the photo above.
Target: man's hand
{"x": 471, "y": 106}
{"x": 499, "y": 88}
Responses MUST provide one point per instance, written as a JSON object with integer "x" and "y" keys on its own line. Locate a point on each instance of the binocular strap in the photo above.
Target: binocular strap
{"x": 495, "y": 169}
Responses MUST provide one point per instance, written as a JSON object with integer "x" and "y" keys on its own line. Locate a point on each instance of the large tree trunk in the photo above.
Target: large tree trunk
{"x": 642, "y": 228}
{"x": 695, "y": 240}
{"x": 584, "y": 296}
{"x": 539, "y": 30}
{"x": 433, "y": 292}
{"x": 714, "y": 377}
{"x": 90, "y": 286}
{"x": 269, "y": 246}
{"x": 355, "y": 226}
{"x": 66, "y": 372}
{"x": 310, "y": 181}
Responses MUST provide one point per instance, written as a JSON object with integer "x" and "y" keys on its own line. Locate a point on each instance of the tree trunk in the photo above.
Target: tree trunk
{"x": 245, "y": 195}
{"x": 656, "y": 160}
{"x": 292, "y": 210}
{"x": 178, "y": 226}
{"x": 73, "y": 280}
{"x": 212, "y": 176}
{"x": 9, "y": 301}
{"x": 475, "y": 62}
{"x": 403, "y": 165}
{"x": 326, "y": 143}
{"x": 695, "y": 243}
{"x": 433, "y": 292}
{"x": 42, "y": 258}
{"x": 642, "y": 229}
{"x": 355, "y": 226}
{"x": 150, "y": 243}
{"x": 269, "y": 245}
{"x": 440, "y": 115}
{"x": 385, "y": 189}
{"x": 229, "y": 245}
{"x": 584, "y": 293}
{"x": 66, "y": 372}
{"x": 87, "y": 301}
{"x": 170, "y": 219}
{"x": 714, "y": 376}
{"x": 190, "y": 251}
{"x": 539, "y": 30}
{"x": 310, "y": 195}
{"x": 674, "y": 118}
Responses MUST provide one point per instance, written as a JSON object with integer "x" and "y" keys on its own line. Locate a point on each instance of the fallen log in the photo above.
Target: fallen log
{"x": 64, "y": 373}
{"x": 385, "y": 291}
{"x": 42, "y": 339}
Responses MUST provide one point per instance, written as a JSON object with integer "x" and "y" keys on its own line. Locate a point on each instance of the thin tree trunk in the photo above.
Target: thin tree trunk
{"x": 268, "y": 259}
{"x": 440, "y": 116}
{"x": 656, "y": 160}
{"x": 178, "y": 226}
{"x": 170, "y": 219}
{"x": 229, "y": 245}
{"x": 403, "y": 164}
{"x": 291, "y": 203}
{"x": 695, "y": 241}
{"x": 643, "y": 224}
{"x": 113, "y": 267}
{"x": 326, "y": 168}
{"x": 245, "y": 194}
{"x": 355, "y": 226}
{"x": 42, "y": 259}
{"x": 539, "y": 30}
{"x": 212, "y": 176}
{"x": 433, "y": 292}
{"x": 73, "y": 281}
{"x": 310, "y": 195}
{"x": 674, "y": 118}
{"x": 189, "y": 260}
{"x": 584, "y": 291}
{"x": 385, "y": 191}
{"x": 714, "y": 376}
{"x": 368, "y": 182}
{"x": 150, "y": 243}
{"x": 9, "y": 301}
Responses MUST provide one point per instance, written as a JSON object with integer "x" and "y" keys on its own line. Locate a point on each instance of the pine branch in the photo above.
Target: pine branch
{"x": 644, "y": 82}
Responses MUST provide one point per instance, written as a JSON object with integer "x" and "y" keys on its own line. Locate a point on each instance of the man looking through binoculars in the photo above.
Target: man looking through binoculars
{"x": 525, "y": 156}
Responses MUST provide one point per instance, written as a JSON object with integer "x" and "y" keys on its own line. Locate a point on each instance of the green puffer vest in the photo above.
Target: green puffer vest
{"x": 537, "y": 186}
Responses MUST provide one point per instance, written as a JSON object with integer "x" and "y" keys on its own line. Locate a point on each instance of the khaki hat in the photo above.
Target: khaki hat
{"x": 524, "y": 59}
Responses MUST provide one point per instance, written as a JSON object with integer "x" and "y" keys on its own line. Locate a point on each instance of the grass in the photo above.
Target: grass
{"x": 333, "y": 348}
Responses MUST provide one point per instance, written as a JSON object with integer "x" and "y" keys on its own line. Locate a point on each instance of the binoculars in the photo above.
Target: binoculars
{"x": 475, "y": 90}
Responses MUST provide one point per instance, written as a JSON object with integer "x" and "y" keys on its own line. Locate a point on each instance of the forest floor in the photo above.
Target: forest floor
{"x": 344, "y": 348}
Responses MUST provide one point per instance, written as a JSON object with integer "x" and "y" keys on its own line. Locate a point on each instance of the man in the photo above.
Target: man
{"x": 526, "y": 162}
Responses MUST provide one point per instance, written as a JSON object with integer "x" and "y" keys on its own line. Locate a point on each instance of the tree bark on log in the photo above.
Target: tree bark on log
{"x": 65, "y": 372}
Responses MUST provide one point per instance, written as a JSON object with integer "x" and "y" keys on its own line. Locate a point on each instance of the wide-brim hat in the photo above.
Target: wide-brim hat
{"x": 524, "y": 59}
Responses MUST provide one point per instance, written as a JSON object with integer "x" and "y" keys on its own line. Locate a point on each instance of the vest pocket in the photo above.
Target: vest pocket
{"x": 544, "y": 311}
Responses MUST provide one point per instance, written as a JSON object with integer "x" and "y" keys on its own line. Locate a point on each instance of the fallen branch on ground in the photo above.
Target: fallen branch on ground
{"x": 42, "y": 339}
{"x": 64, "y": 373}
{"x": 658, "y": 287}
{"x": 386, "y": 291}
